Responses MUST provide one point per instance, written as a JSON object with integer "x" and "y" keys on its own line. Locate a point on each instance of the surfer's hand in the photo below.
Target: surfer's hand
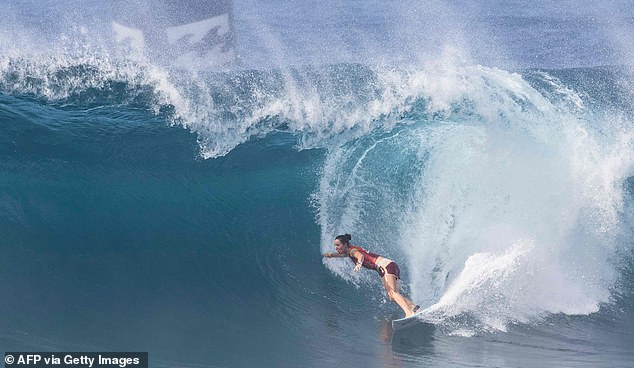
{"x": 327, "y": 255}
{"x": 358, "y": 266}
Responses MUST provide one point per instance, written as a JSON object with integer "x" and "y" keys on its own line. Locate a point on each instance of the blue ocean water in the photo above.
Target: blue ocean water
{"x": 487, "y": 147}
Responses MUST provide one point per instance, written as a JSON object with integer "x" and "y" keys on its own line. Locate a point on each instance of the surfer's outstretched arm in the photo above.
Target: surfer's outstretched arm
{"x": 331, "y": 255}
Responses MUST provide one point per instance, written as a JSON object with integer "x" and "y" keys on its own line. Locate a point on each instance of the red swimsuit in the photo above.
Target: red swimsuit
{"x": 370, "y": 262}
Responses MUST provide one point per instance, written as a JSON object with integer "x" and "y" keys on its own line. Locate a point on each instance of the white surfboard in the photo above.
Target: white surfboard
{"x": 419, "y": 317}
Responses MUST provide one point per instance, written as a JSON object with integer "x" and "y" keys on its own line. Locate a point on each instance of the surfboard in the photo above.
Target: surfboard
{"x": 419, "y": 317}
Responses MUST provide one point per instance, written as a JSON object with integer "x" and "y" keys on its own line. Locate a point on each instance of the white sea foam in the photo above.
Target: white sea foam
{"x": 514, "y": 206}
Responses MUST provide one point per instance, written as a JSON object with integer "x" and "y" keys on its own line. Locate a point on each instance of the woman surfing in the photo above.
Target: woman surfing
{"x": 387, "y": 269}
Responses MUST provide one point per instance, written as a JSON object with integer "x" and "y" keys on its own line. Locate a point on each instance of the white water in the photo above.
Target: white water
{"x": 511, "y": 206}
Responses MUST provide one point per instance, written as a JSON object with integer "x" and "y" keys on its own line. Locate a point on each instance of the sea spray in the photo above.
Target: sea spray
{"x": 512, "y": 205}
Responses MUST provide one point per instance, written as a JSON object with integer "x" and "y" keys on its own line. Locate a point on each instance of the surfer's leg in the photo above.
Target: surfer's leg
{"x": 389, "y": 282}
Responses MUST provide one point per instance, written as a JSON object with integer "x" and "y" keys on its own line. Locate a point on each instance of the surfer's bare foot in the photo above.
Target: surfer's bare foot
{"x": 413, "y": 312}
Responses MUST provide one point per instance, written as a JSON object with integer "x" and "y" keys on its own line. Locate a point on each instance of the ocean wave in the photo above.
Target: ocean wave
{"x": 503, "y": 195}
{"x": 512, "y": 204}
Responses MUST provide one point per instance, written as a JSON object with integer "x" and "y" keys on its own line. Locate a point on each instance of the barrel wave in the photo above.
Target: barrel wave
{"x": 183, "y": 213}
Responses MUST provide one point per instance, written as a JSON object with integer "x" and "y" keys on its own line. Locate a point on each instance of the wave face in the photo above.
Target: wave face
{"x": 184, "y": 212}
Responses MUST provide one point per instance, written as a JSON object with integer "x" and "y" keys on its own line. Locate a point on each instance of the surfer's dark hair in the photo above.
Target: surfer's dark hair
{"x": 344, "y": 239}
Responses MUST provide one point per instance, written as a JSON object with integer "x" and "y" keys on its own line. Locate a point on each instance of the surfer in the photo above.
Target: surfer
{"x": 387, "y": 269}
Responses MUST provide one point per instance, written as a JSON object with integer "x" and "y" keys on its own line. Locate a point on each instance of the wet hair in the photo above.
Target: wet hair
{"x": 344, "y": 239}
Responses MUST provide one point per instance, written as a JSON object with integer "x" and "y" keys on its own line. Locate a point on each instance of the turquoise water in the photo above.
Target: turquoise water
{"x": 184, "y": 213}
